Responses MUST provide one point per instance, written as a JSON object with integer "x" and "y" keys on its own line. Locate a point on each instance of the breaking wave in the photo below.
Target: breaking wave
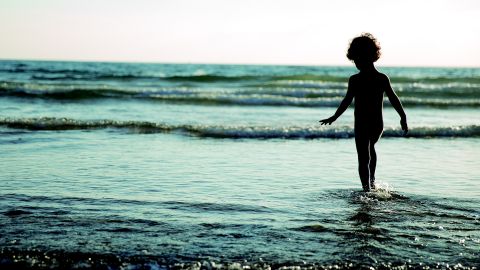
{"x": 324, "y": 95}
{"x": 233, "y": 132}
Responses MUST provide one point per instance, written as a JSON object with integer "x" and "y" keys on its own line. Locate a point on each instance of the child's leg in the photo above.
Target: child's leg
{"x": 373, "y": 164}
{"x": 363, "y": 152}
{"x": 373, "y": 155}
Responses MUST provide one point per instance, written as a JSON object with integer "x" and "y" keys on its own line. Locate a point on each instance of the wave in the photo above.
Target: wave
{"x": 232, "y": 132}
{"x": 283, "y": 79}
{"x": 77, "y": 74}
{"x": 303, "y": 97}
{"x": 69, "y": 92}
{"x": 217, "y": 73}
{"x": 207, "y": 78}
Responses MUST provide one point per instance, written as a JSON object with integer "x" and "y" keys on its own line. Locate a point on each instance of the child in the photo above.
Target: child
{"x": 367, "y": 87}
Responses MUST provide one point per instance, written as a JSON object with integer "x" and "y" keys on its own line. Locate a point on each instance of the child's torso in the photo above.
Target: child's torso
{"x": 368, "y": 90}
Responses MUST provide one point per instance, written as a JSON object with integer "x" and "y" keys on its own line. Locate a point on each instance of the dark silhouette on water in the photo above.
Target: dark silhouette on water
{"x": 367, "y": 87}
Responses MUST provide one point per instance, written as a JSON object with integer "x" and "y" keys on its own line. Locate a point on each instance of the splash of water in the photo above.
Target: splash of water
{"x": 383, "y": 192}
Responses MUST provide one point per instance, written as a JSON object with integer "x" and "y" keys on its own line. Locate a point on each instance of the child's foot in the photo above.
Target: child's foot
{"x": 372, "y": 183}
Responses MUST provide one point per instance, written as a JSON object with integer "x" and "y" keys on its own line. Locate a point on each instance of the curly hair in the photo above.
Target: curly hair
{"x": 364, "y": 47}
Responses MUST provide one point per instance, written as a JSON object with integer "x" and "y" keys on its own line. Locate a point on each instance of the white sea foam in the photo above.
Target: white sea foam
{"x": 234, "y": 131}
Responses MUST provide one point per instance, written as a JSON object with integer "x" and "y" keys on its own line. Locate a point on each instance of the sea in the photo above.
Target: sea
{"x": 203, "y": 166}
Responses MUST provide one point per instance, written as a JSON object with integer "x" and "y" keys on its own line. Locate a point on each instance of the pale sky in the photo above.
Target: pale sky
{"x": 299, "y": 32}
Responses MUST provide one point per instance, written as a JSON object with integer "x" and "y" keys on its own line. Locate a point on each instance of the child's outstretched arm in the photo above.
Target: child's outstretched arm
{"x": 397, "y": 105}
{"x": 347, "y": 100}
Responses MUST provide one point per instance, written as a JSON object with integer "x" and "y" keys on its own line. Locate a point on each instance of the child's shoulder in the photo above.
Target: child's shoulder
{"x": 382, "y": 75}
{"x": 354, "y": 77}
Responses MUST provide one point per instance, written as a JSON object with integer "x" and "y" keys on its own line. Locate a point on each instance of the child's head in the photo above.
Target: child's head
{"x": 364, "y": 48}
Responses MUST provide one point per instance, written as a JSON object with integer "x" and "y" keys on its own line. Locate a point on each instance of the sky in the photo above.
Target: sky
{"x": 294, "y": 32}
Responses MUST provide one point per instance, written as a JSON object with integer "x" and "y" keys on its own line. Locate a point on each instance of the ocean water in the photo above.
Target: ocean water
{"x": 169, "y": 166}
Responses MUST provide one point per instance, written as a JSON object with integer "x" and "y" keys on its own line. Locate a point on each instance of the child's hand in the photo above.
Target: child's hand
{"x": 403, "y": 123}
{"x": 329, "y": 120}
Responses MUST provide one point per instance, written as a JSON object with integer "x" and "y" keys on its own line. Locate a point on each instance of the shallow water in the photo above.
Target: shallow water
{"x": 134, "y": 182}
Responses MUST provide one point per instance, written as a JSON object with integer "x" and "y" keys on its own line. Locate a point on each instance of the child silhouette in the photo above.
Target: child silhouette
{"x": 367, "y": 87}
